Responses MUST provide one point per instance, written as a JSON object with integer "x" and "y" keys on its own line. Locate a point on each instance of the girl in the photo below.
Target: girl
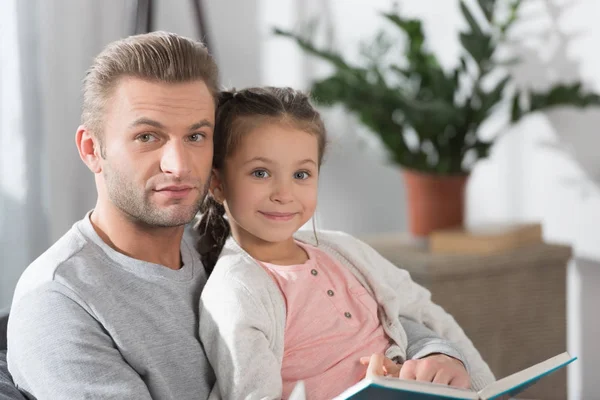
{"x": 284, "y": 305}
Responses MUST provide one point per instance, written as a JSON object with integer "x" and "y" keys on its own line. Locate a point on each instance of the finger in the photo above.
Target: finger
{"x": 461, "y": 381}
{"x": 391, "y": 368}
{"x": 426, "y": 370}
{"x": 443, "y": 377}
{"x": 366, "y": 360}
{"x": 409, "y": 370}
{"x": 375, "y": 367}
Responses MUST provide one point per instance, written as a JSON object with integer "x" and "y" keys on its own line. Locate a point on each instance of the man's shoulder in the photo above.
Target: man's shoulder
{"x": 72, "y": 249}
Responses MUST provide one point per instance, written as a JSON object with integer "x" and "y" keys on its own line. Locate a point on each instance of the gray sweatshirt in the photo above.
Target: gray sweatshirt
{"x": 88, "y": 322}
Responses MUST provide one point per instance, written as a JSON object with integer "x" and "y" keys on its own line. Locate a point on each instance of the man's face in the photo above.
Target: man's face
{"x": 158, "y": 149}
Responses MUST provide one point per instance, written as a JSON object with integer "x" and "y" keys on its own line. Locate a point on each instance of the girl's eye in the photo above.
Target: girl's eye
{"x": 197, "y": 137}
{"x": 146, "y": 138}
{"x": 301, "y": 175}
{"x": 260, "y": 173}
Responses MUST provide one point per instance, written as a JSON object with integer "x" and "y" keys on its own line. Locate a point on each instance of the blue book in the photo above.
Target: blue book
{"x": 385, "y": 388}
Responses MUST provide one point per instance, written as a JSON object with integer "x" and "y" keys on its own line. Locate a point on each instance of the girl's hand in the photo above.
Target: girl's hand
{"x": 436, "y": 368}
{"x": 380, "y": 365}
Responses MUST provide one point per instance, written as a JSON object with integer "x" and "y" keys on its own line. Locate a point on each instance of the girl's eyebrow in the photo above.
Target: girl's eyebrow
{"x": 269, "y": 161}
{"x": 307, "y": 161}
{"x": 263, "y": 159}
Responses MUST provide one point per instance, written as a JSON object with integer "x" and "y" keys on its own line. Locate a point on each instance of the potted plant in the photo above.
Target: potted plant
{"x": 429, "y": 118}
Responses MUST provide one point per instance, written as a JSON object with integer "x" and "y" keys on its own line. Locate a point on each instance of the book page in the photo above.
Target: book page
{"x": 518, "y": 382}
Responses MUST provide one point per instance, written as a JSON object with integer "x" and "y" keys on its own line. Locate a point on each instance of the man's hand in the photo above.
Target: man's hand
{"x": 436, "y": 368}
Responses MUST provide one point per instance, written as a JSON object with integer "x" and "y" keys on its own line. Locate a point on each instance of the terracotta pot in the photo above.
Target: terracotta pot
{"x": 434, "y": 201}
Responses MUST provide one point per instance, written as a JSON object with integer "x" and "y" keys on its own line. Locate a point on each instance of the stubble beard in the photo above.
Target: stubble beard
{"x": 138, "y": 207}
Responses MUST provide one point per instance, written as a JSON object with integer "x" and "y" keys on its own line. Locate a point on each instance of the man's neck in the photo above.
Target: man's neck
{"x": 136, "y": 240}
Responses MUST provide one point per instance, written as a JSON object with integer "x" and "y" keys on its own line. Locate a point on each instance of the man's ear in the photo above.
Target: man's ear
{"x": 216, "y": 186}
{"x": 89, "y": 149}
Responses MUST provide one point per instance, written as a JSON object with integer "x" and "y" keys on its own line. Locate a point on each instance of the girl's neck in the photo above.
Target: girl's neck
{"x": 286, "y": 252}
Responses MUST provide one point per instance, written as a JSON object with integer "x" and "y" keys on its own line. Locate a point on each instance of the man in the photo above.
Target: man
{"x": 111, "y": 309}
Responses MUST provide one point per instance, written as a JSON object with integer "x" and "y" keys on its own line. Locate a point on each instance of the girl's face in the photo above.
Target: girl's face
{"x": 269, "y": 184}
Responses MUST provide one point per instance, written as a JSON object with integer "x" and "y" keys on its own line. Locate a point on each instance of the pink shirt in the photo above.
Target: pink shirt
{"x": 331, "y": 322}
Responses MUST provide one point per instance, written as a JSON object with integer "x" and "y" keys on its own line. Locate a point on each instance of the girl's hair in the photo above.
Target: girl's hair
{"x": 239, "y": 112}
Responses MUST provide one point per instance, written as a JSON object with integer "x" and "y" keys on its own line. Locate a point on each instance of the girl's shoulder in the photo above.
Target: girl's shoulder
{"x": 324, "y": 236}
{"x": 236, "y": 268}
{"x": 336, "y": 239}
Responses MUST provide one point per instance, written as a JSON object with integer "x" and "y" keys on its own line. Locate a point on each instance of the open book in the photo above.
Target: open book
{"x": 393, "y": 388}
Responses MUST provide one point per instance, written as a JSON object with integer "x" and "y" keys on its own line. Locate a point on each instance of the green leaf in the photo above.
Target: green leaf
{"x": 403, "y": 72}
{"x": 482, "y": 148}
{"x": 508, "y": 62}
{"x": 491, "y": 98}
{"x": 475, "y": 28}
{"x": 411, "y": 27}
{"x": 487, "y": 8}
{"x": 512, "y": 17}
{"x": 479, "y": 47}
{"x": 333, "y": 57}
{"x": 515, "y": 112}
{"x": 562, "y": 95}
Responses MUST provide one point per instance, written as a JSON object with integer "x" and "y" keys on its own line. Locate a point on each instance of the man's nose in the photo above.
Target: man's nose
{"x": 175, "y": 159}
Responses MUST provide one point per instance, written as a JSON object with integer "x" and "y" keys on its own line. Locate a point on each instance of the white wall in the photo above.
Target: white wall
{"x": 45, "y": 187}
{"x": 233, "y": 33}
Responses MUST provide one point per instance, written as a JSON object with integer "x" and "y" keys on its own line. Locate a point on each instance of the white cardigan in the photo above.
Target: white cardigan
{"x": 243, "y": 315}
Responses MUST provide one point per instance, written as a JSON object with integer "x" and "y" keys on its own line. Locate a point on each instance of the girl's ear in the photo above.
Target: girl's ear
{"x": 216, "y": 186}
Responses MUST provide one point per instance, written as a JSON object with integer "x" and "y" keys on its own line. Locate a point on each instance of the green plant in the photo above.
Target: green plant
{"x": 444, "y": 109}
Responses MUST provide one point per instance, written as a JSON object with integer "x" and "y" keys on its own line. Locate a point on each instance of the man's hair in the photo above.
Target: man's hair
{"x": 155, "y": 57}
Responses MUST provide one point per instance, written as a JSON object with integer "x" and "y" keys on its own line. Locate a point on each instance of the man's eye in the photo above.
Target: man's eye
{"x": 197, "y": 137}
{"x": 260, "y": 173}
{"x": 146, "y": 137}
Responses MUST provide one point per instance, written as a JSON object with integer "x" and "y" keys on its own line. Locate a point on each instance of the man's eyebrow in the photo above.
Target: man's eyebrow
{"x": 202, "y": 124}
{"x": 146, "y": 121}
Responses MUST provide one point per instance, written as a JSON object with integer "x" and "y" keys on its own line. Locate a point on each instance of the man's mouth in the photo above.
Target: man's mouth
{"x": 174, "y": 191}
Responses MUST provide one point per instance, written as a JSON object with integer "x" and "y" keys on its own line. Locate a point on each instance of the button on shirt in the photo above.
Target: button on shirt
{"x": 331, "y": 322}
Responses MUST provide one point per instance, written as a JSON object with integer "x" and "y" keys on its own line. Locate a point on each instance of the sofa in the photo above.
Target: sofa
{"x": 8, "y": 391}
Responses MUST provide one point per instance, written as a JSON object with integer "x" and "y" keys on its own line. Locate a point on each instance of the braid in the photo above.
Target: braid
{"x": 226, "y": 96}
{"x": 214, "y": 231}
